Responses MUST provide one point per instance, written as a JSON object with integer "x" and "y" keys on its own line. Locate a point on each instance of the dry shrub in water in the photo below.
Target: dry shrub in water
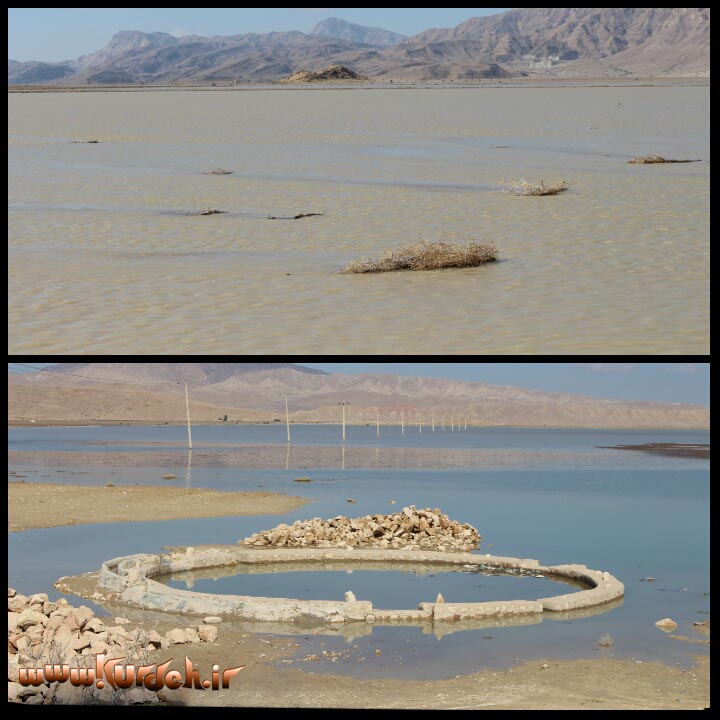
{"x": 426, "y": 256}
{"x": 606, "y": 640}
{"x": 218, "y": 171}
{"x": 654, "y": 159}
{"x": 522, "y": 187}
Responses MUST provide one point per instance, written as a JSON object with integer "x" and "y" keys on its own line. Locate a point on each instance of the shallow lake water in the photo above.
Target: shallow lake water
{"x": 631, "y": 514}
{"x": 104, "y": 258}
{"x": 400, "y": 588}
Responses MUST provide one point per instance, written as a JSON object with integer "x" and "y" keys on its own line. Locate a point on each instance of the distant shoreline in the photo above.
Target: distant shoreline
{"x": 678, "y": 450}
{"x": 373, "y": 85}
{"x": 209, "y": 423}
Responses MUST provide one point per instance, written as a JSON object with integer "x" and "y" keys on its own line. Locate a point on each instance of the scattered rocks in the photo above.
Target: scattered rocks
{"x": 411, "y": 528}
{"x": 208, "y": 633}
{"x": 177, "y": 637}
{"x": 41, "y": 631}
{"x": 666, "y": 624}
{"x": 29, "y": 617}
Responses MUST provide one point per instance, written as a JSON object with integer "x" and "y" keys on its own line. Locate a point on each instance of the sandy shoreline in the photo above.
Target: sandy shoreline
{"x": 574, "y": 684}
{"x": 43, "y": 505}
{"x": 270, "y": 680}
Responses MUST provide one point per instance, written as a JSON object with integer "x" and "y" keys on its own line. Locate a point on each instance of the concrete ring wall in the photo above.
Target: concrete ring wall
{"x": 130, "y": 581}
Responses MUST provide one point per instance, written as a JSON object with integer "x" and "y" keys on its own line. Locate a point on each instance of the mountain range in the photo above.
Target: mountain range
{"x": 155, "y": 392}
{"x": 524, "y": 42}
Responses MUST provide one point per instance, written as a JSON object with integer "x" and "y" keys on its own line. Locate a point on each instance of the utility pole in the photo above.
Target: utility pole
{"x": 187, "y": 405}
{"x": 452, "y": 423}
{"x": 433, "y": 422}
{"x": 403, "y": 420}
{"x": 466, "y": 423}
{"x": 344, "y": 405}
{"x": 421, "y": 424}
{"x": 287, "y": 418}
{"x": 443, "y": 423}
{"x": 378, "y": 422}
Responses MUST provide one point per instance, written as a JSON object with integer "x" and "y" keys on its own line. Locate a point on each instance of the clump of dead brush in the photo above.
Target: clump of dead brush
{"x": 522, "y": 187}
{"x": 655, "y": 159}
{"x": 426, "y": 256}
{"x": 217, "y": 171}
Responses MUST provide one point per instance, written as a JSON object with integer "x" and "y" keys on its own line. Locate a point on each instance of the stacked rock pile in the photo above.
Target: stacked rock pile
{"x": 41, "y": 631}
{"x": 410, "y": 529}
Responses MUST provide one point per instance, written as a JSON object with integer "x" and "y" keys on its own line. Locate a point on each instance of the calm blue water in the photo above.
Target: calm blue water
{"x": 640, "y": 516}
{"x": 86, "y": 438}
{"x": 389, "y": 590}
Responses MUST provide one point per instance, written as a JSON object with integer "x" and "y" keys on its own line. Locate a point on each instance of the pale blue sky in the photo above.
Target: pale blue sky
{"x": 54, "y": 34}
{"x": 660, "y": 382}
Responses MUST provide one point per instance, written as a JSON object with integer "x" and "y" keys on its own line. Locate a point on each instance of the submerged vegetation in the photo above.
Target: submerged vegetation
{"x": 209, "y": 211}
{"x": 426, "y": 256}
{"x": 295, "y": 217}
{"x": 522, "y": 187}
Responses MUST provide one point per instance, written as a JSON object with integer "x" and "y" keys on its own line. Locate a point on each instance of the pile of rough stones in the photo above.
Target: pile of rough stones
{"x": 410, "y": 529}
{"x": 41, "y": 631}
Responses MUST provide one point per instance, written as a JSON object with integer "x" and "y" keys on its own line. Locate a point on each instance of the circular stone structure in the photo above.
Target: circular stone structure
{"x": 128, "y": 581}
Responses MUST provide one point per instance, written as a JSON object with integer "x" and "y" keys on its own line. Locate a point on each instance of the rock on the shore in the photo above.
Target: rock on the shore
{"x": 177, "y": 637}
{"x": 208, "y": 633}
{"x": 40, "y": 632}
{"x": 411, "y": 528}
{"x": 666, "y": 624}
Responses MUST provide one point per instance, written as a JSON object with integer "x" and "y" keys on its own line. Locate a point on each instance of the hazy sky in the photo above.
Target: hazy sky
{"x": 661, "y": 382}
{"x": 664, "y": 382}
{"x": 54, "y": 34}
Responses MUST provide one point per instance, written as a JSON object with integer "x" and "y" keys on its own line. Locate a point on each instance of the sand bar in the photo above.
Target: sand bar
{"x": 42, "y": 505}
